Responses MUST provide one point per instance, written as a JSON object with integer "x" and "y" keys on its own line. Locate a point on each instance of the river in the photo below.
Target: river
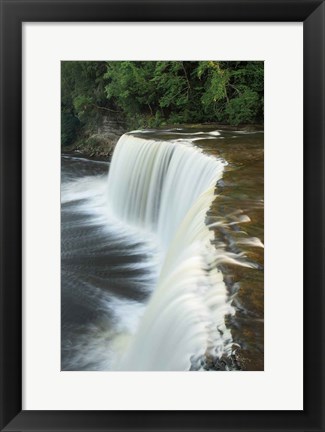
{"x": 162, "y": 253}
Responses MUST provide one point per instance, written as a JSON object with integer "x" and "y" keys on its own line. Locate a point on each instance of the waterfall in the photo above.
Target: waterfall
{"x": 164, "y": 189}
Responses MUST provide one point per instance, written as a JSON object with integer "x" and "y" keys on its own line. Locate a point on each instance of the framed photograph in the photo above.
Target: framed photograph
{"x": 162, "y": 229}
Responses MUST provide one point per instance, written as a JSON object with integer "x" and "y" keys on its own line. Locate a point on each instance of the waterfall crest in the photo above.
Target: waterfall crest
{"x": 165, "y": 188}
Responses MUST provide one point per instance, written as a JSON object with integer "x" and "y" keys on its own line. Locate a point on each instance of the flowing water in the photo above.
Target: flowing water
{"x": 149, "y": 255}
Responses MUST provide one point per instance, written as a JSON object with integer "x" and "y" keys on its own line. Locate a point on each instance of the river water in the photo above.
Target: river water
{"x": 145, "y": 285}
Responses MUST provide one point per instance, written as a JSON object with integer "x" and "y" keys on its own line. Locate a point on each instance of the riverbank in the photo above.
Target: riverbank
{"x": 100, "y": 144}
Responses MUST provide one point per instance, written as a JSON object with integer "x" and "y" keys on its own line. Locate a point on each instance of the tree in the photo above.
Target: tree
{"x": 152, "y": 93}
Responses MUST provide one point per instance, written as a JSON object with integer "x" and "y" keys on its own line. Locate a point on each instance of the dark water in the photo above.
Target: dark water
{"x": 106, "y": 279}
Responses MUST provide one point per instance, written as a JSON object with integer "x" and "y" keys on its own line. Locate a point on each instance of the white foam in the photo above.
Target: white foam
{"x": 166, "y": 189}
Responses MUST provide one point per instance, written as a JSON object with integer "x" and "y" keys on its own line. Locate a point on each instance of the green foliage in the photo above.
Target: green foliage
{"x": 247, "y": 93}
{"x": 153, "y": 93}
{"x": 69, "y": 128}
{"x": 171, "y": 86}
{"x": 215, "y": 81}
{"x": 83, "y": 88}
{"x": 243, "y": 108}
{"x": 129, "y": 87}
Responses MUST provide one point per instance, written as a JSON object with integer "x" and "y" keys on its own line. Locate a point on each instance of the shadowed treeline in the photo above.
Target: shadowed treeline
{"x": 154, "y": 93}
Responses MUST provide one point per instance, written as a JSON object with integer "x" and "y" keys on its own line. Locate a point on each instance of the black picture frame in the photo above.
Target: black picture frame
{"x": 13, "y": 14}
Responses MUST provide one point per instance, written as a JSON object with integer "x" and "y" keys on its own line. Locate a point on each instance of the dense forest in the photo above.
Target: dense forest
{"x": 156, "y": 93}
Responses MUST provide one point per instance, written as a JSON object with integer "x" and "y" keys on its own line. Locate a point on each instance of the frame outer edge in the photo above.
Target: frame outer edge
{"x": 314, "y": 214}
{"x": 10, "y": 214}
{"x": 10, "y": 159}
